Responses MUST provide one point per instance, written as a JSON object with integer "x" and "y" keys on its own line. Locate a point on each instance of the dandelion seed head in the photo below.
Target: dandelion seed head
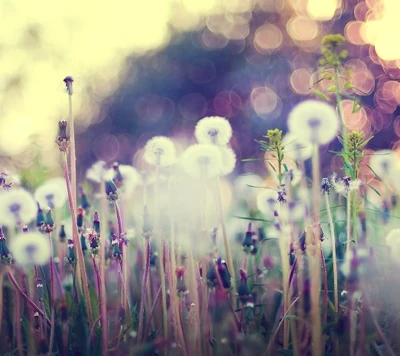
{"x": 199, "y": 160}
{"x": 30, "y": 248}
{"x": 314, "y": 121}
{"x": 17, "y": 206}
{"x": 384, "y": 163}
{"x": 297, "y": 147}
{"x": 160, "y": 150}
{"x": 97, "y": 172}
{"x": 228, "y": 161}
{"x": 266, "y": 202}
{"x": 52, "y": 193}
{"x": 213, "y": 130}
{"x": 393, "y": 242}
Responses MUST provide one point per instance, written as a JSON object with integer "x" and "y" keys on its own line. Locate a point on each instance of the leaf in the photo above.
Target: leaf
{"x": 373, "y": 172}
{"x": 331, "y": 88}
{"x": 320, "y": 95}
{"x": 274, "y": 169}
{"x": 252, "y": 219}
{"x": 374, "y": 189}
{"x": 356, "y": 105}
{"x": 348, "y": 85}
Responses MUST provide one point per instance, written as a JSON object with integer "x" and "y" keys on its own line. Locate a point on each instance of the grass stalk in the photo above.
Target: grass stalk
{"x": 83, "y": 283}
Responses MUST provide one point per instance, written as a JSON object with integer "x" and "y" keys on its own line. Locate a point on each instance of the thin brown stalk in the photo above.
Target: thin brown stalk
{"x": 143, "y": 295}
{"x": 81, "y": 268}
{"x": 315, "y": 259}
{"x": 52, "y": 298}
{"x": 26, "y": 297}
{"x": 103, "y": 294}
{"x": 226, "y": 244}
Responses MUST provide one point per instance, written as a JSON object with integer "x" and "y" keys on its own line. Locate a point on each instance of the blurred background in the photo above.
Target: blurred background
{"x": 143, "y": 68}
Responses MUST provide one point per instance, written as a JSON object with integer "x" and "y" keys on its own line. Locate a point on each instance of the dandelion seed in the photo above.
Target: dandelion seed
{"x": 17, "y": 207}
{"x": 160, "y": 150}
{"x": 30, "y": 249}
{"x": 393, "y": 242}
{"x": 52, "y": 194}
{"x": 314, "y": 121}
{"x": 345, "y": 185}
{"x": 213, "y": 130}
{"x": 202, "y": 160}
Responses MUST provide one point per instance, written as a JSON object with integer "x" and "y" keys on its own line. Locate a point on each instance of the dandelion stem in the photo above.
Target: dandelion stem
{"x": 72, "y": 152}
{"x": 151, "y": 314}
{"x": 315, "y": 259}
{"x": 226, "y": 244}
{"x": 103, "y": 294}
{"x": 334, "y": 260}
{"x": 81, "y": 268}
{"x": 348, "y": 226}
{"x": 1, "y": 297}
{"x": 52, "y": 296}
{"x": 26, "y": 297}
{"x": 143, "y": 295}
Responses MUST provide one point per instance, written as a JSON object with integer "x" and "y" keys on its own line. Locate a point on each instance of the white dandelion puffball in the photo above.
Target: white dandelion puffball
{"x": 213, "y": 130}
{"x": 228, "y": 161}
{"x": 96, "y": 173}
{"x": 31, "y": 248}
{"x": 202, "y": 160}
{"x": 52, "y": 194}
{"x": 266, "y": 202}
{"x": 131, "y": 178}
{"x": 160, "y": 150}
{"x": 297, "y": 147}
{"x": 393, "y": 241}
{"x": 244, "y": 185}
{"x": 17, "y": 206}
{"x": 314, "y": 121}
{"x": 384, "y": 164}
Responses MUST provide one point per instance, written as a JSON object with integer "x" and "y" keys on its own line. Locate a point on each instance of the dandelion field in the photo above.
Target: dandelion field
{"x": 182, "y": 256}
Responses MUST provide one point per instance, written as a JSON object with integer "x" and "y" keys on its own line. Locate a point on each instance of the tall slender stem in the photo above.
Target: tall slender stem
{"x": 72, "y": 152}
{"x": 81, "y": 268}
{"x": 334, "y": 259}
{"x": 103, "y": 294}
{"x": 315, "y": 259}
{"x": 226, "y": 244}
{"x": 348, "y": 227}
{"x": 143, "y": 295}
{"x": 26, "y": 297}
{"x": 52, "y": 297}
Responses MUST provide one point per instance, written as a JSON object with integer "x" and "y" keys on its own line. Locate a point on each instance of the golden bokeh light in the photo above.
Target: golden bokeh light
{"x": 322, "y": 10}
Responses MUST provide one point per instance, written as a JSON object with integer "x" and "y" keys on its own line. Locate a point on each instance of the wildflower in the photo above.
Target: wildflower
{"x": 213, "y": 130}
{"x": 345, "y": 185}
{"x": 282, "y": 195}
{"x": 325, "y": 185}
{"x": 30, "y": 248}
{"x": 71, "y": 258}
{"x": 96, "y": 222}
{"x": 97, "y": 172}
{"x": 243, "y": 288}
{"x": 111, "y": 191}
{"x": 116, "y": 251}
{"x": 17, "y": 206}
{"x": 333, "y": 40}
{"x": 314, "y": 121}
{"x": 160, "y": 151}
{"x": 297, "y": 147}
{"x": 84, "y": 200}
{"x": 48, "y": 222}
{"x": 79, "y": 218}
{"x": 52, "y": 194}
{"x": 228, "y": 161}
{"x": 202, "y": 160}
{"x": 39, "y": 217}
{"x": 125, "y": 177}
{"x": 63, "y": 138}
{"x": 266, "y": 202}
{"x": 62, "y": 235}
{"x": 68, "y": 80}
{"x": 7, "y": 180}
{"x": 248, "y": 242}
{"x": 5, "y": 256}
{"x": 181, "y": 285}
{"x": 384, "y": 164}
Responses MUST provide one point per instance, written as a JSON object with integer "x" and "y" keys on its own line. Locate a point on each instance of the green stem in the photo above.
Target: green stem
{"x": 334, "y": 259}
{"x": 315, "y": 263}
{"x": 339, "y": 108}
{"x": 348, "y": 228}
